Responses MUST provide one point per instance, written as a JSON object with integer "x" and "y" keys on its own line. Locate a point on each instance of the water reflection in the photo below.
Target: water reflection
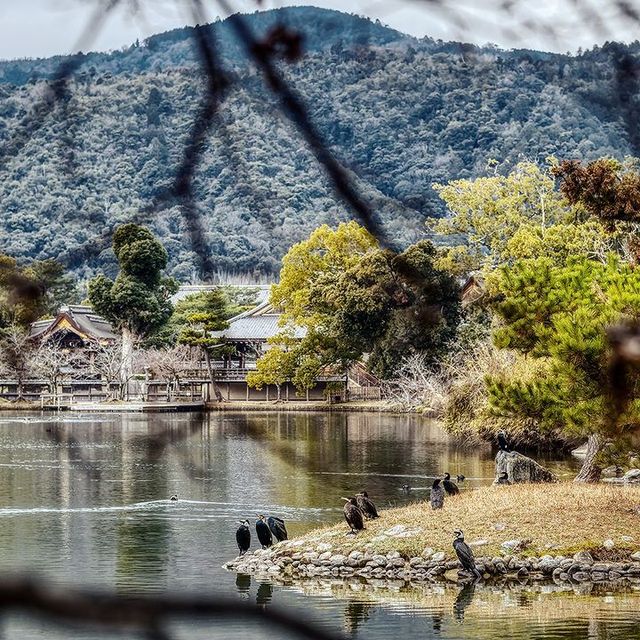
{"x": 85, "y": 499}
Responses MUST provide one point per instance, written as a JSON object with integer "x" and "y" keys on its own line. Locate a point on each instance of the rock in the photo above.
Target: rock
{"x": 511, "y": 545}
{"x": 519, "y": 468}
{"x": 633, "y": 475}
{"x": 608, "y": 544}
{"x": 614, "y": 575}
{"x": 325, "y": 556}
{"x": 636, "y": 556}
{"x": 324, "y": 547}
{"x": 377, "y": 561}
{"x": 627, "y": 539}
{"x": 439, "y": 556}
{"x": 427, "y": 553}
{"x": 500, "y": 526}
{"x": 584, "y": 557}
{"x": 581, "y": 576}
{"x": 478, "y": 543}
{"x": 395, "y": 530}
{"x": 392, "y": 555}
{"x": 338, "y": 560}
{"x": 598, "y": 576}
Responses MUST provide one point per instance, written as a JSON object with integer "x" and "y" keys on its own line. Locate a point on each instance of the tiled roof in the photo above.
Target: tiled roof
{"x": 259, "y": 323}
{"x": 77, "y": 318}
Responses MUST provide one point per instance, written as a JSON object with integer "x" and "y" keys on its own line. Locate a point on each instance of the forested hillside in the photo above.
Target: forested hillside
{"x": 401, "y": 113}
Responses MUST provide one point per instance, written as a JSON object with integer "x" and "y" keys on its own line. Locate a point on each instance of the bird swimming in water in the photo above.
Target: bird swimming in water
{"x": 366, "y": 505}
{"x": 460, "y": 478}
{"x": 503, "y": 478}
{"x": 464, "y": 553}
{"x": 437, "y": 494}
{"x": 353, "y": 515}
{"x": 406, "y": 488}
{"x": 277, "y": 528}
{"x": 243, "y": 537}
{"x": 174, "y": 497}
{"x": 264, "y": 533}
{"x": 449, "y": 486}
{"x": 503, "y": 443}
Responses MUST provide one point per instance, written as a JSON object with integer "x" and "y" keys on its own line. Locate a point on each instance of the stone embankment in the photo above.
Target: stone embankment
{"x": 294, "y": 560}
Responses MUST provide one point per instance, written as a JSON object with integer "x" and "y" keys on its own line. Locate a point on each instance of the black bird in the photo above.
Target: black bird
{"x": 437, "y": 494}
{"x": 460, "y": 478}
{"x": 449, "y": 486}
{"x": 503, "y": 443}
{"x": 174, "y": 497}
{"x": 463, "y": 600}
{"x": 365, "y": 505}
{"x": 264, "y": 533}
{"x": 503, "y": 478}
{"x": 464, "y": 553}
{"x": 353, "y": 515}
{"x": 406, "y": 488}
{"x": 243, "y": 537}
{"x": 277, "y": 528}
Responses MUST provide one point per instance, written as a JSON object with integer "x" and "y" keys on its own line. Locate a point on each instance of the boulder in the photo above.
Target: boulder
{"x": 519, "y": 468}
{"x": 633, "y": 475}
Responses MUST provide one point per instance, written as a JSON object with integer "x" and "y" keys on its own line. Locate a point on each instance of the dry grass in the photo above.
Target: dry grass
{"x": 557, "y": 519}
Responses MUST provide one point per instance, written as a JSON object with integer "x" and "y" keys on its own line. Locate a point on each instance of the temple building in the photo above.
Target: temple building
{"x": 75, "y": 327}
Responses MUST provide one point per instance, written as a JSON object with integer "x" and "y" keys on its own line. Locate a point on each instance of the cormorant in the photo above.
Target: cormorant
{"x": 353, "y": 515}
{"x": 277, "y": 528}
{"x": 243, "y": 537}
{"x": 464, "y": 553}
{"x": 264, "y": 533}
{"x": 437, "y": 494}
{"x": 174, "y": 497}
{"x": 503, "y": 443}
{"x": 503, "y": 478}
{"x": 449, "y": 486}
{"x": 366, "y": 505}
{"x": 460, "y": 478}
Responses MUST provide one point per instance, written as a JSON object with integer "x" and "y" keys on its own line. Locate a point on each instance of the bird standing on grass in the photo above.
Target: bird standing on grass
{"x": 277, "y": 528}
{"x": 366, "y": 505}
{"x": 264, "y": 533}
{"x": 437, "y": 494}
{"x": 243, "y": 537}
{"x": 353, "y": 515}
{"x": 449, "y": 486}
{"x": 464, "y": 553}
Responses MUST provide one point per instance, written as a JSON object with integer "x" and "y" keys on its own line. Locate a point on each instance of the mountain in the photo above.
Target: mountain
{"x": 401, "y": 113}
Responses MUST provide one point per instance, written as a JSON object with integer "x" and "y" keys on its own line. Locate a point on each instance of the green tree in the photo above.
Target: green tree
{"x": 502, "y": 218}
{"x": 200, "y": 316}
{"x": 137, "y": 302}
{"x": 556, "y": 318}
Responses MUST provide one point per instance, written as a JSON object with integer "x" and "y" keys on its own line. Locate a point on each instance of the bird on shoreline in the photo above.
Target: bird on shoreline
{"x": 449, "y": 486}
{"x": 437, "y": 494}
{"x": 243, "y": 537}
{"x": 503, "y": 443}
{"x": 276, "y": 525}
{"x": 353, "y": 515}
{"x": 464, "y": 553}
{"x": 366, "y": 505}
{"x": 263, "y": 532}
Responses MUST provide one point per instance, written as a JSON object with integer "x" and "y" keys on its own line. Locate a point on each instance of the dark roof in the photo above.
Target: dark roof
{"x": 257, "y": 324}
{"x": 78, "y": 319}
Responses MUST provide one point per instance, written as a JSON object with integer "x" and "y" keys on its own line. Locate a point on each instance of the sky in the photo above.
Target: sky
{"x": 38, "y": 28}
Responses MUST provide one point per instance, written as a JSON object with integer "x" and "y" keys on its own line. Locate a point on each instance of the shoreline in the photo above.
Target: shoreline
{"x": 561, "y": 533}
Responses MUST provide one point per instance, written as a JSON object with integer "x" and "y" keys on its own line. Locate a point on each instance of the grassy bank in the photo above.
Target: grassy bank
{"x": 555, "y": 519}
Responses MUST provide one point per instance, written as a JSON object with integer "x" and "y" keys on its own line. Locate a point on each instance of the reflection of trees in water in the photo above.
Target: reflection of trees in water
{"x": 355, "y": 613}
{"x": 463, "y": 600}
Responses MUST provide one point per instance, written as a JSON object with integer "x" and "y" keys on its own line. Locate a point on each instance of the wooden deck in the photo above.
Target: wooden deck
{"x": 132, "y": 407}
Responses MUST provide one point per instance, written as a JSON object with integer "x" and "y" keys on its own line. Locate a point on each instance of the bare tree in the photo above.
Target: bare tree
{"x": 17, "y": 356}
{"x": 54, "y": 363}
{"x": 170, "y": 365}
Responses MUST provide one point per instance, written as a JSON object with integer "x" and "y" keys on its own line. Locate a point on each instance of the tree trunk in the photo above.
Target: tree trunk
{"x": 126, "y": 366}
{"x": 591, "y": 471}
{"x": 214, "y": 386}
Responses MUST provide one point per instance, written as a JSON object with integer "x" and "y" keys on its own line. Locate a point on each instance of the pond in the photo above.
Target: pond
{"x": 84, "y": 499}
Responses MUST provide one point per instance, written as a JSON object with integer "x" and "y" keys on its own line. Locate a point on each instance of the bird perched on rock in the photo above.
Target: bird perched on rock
{"x": 464, "y": 553}
{"x": 503, "y": 443}
{"x": 366, "y": 505}
{"x": 264, "y": 533}
{"x": 353, "y": 515}
{"x": 277, "y": 528}
{"x": 243, "y": 537}
{"x": 437, "y": 494}
{"x": 449, "y": 486}
{"x": 503, "y": 478}
{"x": 174, "y": 497}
